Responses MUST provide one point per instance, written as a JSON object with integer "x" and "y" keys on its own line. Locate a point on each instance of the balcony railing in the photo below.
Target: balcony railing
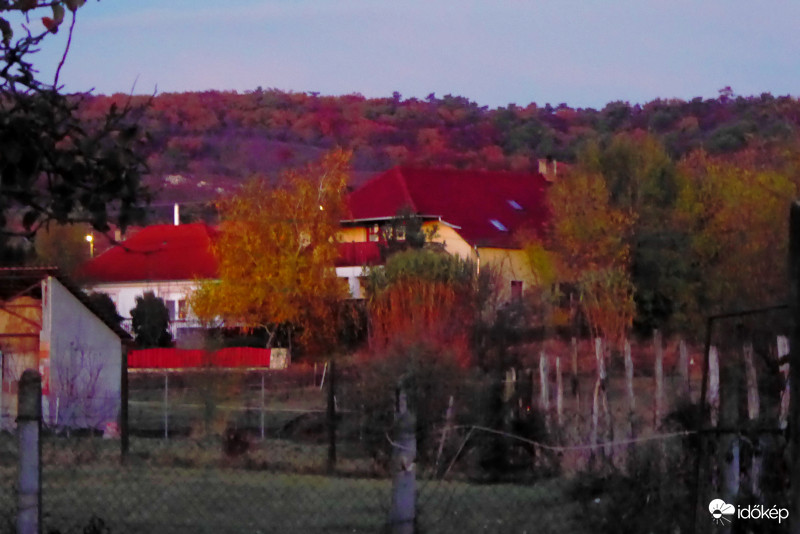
{"x": 176, "y": 328}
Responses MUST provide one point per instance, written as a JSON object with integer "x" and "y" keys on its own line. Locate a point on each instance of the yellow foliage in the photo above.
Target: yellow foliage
{"x": 276, "y": 253}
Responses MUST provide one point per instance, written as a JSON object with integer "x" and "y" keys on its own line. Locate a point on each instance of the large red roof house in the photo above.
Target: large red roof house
{"x": 478, "y": 215}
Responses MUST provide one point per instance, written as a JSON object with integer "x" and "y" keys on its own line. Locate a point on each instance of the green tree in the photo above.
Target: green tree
{"x": 150, "y": 319}
{"x": 587, "y": 248}
{"x": 736, "y": 216}
{"x": 105, "y": 306}
{"x": 53, "y": 165}
{"x": 642, "y": 180}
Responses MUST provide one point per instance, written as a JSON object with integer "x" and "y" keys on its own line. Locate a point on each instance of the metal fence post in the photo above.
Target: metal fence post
{"x": 124, "y": 437}
{"x": 404, "y": 485}
{"x": 166, "y": 406}
{"x": 29, "y": 424}
{"x": 331, "y": 417}
{"x": 794, "y": 366}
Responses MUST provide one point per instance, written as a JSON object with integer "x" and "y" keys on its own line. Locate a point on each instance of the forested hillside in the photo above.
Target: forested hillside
{"x": 202, "y": 144}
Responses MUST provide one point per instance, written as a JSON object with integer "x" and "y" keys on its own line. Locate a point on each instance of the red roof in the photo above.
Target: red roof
{"x": 485, "y": 207}
{"x": 183, "y": 252}
{"x": 159, "y": 252}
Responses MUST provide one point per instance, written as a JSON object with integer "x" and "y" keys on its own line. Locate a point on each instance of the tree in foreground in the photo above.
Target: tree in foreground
{"x": 54, "y": 166}
{"x": 276, "y": 251}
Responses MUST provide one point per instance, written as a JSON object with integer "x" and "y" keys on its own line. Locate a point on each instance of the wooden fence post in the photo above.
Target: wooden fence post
{"x": 683, "y": 370}
{"x": 29, "y": 417}
{"x": 600, "y": 397}
{"x": 783, "y": 352}
{"x": 658, "y": 408}
{"x": 544, "y": 392}
{"x": 402, "y": 516}
{"x": 574, "y": 380}
{"x": 712, "y": 396}
{"x": 730, "y": 448}
{"x": 559, "y": 392}
{"x": 629, "y": 386}
{"x": 758, "y": 443}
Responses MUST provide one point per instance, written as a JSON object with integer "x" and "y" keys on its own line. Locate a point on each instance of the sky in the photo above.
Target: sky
{"x": 584, "y": 53}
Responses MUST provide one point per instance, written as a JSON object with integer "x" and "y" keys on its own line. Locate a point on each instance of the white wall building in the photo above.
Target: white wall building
{"x": 49, "y": 325}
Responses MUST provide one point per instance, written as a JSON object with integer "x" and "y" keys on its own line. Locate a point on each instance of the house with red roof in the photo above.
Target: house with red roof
{"x": 170, "y": 260}
{"x": 478, "y": 215}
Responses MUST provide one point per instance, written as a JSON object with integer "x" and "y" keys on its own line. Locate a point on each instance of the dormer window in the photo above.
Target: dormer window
{"x": 497, "y": 224}
{"x": 514, "y": 204}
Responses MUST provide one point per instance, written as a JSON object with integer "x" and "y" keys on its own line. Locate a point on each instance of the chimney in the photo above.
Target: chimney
{"x": 176, "y": 214}
{"x": 548, "y": 168}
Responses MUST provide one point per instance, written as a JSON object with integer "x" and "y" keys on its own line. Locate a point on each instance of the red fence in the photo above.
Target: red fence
{"x": 235, "y": 357}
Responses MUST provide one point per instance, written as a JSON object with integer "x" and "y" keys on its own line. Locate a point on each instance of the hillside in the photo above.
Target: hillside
{"x": 203, "y": 144}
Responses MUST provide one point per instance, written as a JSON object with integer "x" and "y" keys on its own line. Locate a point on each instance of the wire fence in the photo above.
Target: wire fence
{"x": 616, "y": 442}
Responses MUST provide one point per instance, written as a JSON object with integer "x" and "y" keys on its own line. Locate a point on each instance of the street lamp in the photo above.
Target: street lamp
{"x": 90, "y": 240}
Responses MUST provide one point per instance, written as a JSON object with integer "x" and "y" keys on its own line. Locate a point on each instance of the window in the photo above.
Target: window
{"x": 516, "y": 290}
{"x": 497, "y": 224}
{"x": 401, "y": 232}
{"x": 183, "y": 309}
{"x": 374, "y": 233}
{"x": 177, "y": 309}
{"x": 172, "y": 308}
{"x": 514, "y": 204}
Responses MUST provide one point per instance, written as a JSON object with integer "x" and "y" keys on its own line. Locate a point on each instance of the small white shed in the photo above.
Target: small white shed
{"x": 48, "y": 324}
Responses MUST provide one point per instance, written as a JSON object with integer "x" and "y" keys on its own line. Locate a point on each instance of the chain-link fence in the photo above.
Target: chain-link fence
{"x": 576, "y": 437}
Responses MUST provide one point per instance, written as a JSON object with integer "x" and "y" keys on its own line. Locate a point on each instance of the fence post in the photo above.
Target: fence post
{"x": 331, "y": 416}
{"x": 683, "y": 369}
{"x": 124, "y": 437}
{"x": 29, "y": 424}
{"x": 263, "y": 398}
{"x": 794, "y": 366}
{"x": 629, "y": 386}
{"x": 559, "y": 392}
{"x": 404, "y": 485}
{"x": 166, "y": 406}
{"x": 658, "y": 409}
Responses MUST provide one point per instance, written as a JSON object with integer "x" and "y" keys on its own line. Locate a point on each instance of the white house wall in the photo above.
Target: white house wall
{"x": 353, "y": 275}
{"x": 124, "y": 293}
{"x": 80, "y": 359}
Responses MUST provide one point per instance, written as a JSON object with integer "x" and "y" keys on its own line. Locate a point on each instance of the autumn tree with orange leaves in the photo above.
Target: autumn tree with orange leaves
{"x": 423, "y": 295}
{"x": 276, "y": 253}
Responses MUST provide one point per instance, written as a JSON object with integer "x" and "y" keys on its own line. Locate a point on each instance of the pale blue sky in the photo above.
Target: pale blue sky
{"x": 581, "y": 52}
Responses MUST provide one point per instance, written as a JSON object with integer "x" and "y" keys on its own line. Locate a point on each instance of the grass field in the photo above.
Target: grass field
{"x": 82, "y": 478}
